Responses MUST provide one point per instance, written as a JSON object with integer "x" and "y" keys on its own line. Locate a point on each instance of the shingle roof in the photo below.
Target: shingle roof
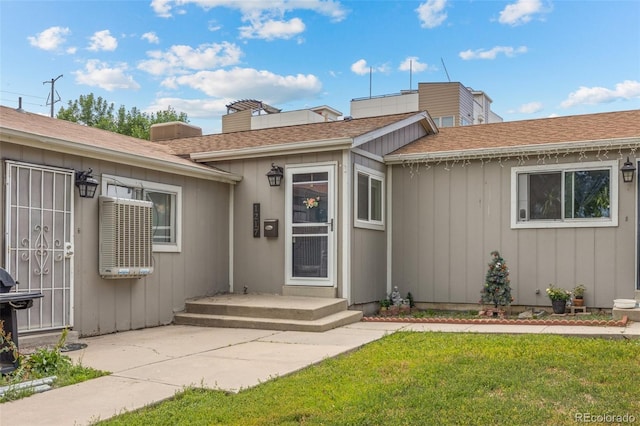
{"x": 282, "y": 135}
{"x": 513, "y": 134}
{"x": 35, "y": 125}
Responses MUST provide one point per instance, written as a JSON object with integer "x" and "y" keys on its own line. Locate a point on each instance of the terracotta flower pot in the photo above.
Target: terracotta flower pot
{"x": 578, "y": 302}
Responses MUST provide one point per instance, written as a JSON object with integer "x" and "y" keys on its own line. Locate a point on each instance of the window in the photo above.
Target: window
{"x": 167, "y": 207}
{"x": 369, "y": 198}
{"x": 447, "y": 121}
{"x": 567, "y": 195}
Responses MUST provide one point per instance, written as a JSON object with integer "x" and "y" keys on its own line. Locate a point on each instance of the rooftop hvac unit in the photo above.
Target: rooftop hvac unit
{"x": 126, "y": 238}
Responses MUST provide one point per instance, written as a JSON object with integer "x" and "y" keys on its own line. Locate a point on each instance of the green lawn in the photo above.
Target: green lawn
{"x": 431, "y": 379}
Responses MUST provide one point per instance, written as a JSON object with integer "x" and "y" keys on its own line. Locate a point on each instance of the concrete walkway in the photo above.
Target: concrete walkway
{"x": 153, "y": 364}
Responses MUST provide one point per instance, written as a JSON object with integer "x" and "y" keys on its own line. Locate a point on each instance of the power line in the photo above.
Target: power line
{"x": 15, "y": 101}
{"x": 21, "y": 94}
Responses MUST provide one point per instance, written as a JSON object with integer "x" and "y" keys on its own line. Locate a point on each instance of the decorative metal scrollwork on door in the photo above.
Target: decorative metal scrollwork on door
{"x": 41, "y": 250}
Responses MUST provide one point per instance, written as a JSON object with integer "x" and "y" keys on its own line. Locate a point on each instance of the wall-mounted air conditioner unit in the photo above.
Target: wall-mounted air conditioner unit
{"x": 126, "y": 238}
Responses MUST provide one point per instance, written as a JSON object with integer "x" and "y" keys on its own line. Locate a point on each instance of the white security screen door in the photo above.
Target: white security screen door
{"x": 310, "y": 242}
{"x": 39, "y": 242}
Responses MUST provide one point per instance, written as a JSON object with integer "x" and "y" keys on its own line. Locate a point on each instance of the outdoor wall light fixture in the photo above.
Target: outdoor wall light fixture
{"x": 628, "y": 170}
{"x": 275, "y": 175}
{"x": 86, "y": 184}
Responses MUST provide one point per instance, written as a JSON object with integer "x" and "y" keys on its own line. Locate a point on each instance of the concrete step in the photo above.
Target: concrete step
{"x": 325, "y": 323}
{"x": 631, "y": 314}
{"x": 267, "y": 306}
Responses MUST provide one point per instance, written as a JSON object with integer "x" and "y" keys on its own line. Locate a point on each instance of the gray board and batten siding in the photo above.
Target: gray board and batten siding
{"x": 106, "y": 306}
{"x": 453, "y": 217}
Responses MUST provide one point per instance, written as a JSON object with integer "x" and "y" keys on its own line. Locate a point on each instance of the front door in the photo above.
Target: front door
{"x": 39, "y": 242}
{"x": 310, "y": 225}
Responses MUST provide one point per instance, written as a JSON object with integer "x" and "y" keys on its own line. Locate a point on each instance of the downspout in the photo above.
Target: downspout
{"x": 231, "y": 222}
{"x": 389, "y": 227}
{"x": 346, "y": 226}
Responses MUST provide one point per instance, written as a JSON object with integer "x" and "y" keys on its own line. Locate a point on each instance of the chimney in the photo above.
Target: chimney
{"x": 173, "y": 130}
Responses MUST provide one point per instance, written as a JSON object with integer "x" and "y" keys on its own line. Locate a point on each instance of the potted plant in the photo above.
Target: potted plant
{"x": 578, "y": 295}
{"x": 384, "y": 306}
{"x": 559, "y": 297}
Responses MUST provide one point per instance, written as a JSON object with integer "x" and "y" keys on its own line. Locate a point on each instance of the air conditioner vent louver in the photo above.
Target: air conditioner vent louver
{"x": 126, "y": 238}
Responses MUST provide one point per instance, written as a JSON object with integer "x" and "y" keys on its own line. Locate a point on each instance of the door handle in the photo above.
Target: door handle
{"x": 68, "y": 250}
{"x": 330, "y": 223}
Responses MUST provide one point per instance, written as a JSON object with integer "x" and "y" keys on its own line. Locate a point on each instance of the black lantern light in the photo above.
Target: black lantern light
{"x": 275, "y": 175}
{"x": 86, "y": 184}
{"x": 628, "y": 170}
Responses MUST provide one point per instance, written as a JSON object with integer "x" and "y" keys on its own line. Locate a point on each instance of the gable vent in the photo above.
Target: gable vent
{"x": 126, "y": 238}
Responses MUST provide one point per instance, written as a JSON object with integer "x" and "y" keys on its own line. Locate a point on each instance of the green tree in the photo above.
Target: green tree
{"x": 497, "y": 287}
{"x": 97, "y": 112}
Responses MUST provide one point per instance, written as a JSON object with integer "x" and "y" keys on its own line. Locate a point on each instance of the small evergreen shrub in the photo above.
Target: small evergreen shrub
{"x": 497, "y": 288}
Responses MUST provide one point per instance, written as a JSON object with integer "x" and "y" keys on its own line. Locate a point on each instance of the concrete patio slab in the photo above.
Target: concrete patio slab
{"x": 343, "y": 336}
{"x": 260, "y": 352}
{"x": 123, "y": 351}
{"x": 507, "y": 329}
{"x": 388, "y": 327}
{"x": 227, "y": 374}
{"x": 85, "y": 403}
{"x": 587, "y": 331}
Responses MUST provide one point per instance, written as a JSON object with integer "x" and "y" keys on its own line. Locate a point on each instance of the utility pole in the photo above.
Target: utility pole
{"x": 54, "y": 92}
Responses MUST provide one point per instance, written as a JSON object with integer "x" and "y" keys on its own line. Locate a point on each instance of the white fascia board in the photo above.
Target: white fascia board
{"x": 271, "y": 150}
{"x": 128, "y": 158}
{"x": 607, "y": 145}
{"x": 368, "y": 137}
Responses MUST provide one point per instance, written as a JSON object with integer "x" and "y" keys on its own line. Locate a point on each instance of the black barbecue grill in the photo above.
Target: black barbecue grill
{"x": 10, "y": 301}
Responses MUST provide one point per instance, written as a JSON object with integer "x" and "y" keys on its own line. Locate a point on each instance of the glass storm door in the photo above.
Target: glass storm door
{"x": 310, "y": 250}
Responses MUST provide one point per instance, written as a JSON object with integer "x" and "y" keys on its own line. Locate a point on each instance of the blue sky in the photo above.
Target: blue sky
{"x": 534, "y": 58}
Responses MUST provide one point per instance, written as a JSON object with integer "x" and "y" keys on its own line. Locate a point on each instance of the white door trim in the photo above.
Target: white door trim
{"x": 331, "y": 278}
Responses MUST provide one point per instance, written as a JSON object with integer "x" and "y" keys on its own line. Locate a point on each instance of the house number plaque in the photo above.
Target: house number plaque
{"x": 256, "y": 220}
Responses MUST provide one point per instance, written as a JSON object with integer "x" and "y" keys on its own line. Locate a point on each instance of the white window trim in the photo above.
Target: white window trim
{"x": 378, "y": 225}
{"x": 174, "y": 247}
{"x": 566, "y": 223}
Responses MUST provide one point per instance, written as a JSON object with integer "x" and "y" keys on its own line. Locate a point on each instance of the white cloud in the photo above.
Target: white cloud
{"x": 49, "y": 39}
{"x": 194, "y": 108}
{"x": 361, "y": 67}
{"x": 331, "y": 8}
{"x": 99, "y": 74}
{"x": 103, "y": 40}
{"x": 271, "y": 29}
{"x": 151, "y": 37}
{"x": 241, "y": 83}
{"x": 265, "y": 19}
{"x": 180, "y": 58}
{"x": 162, "y": 8}
{"x": 213, "y": 26}
{"x": 431, "y": 13}
{"x": 530, "y": 108}
{"x": 628, "y": 89}
{"x": 71, "y": 50}
{"x": 492, "y": 53}
{"x": 412, "y": 63}
{"x": 520, "y": 12}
